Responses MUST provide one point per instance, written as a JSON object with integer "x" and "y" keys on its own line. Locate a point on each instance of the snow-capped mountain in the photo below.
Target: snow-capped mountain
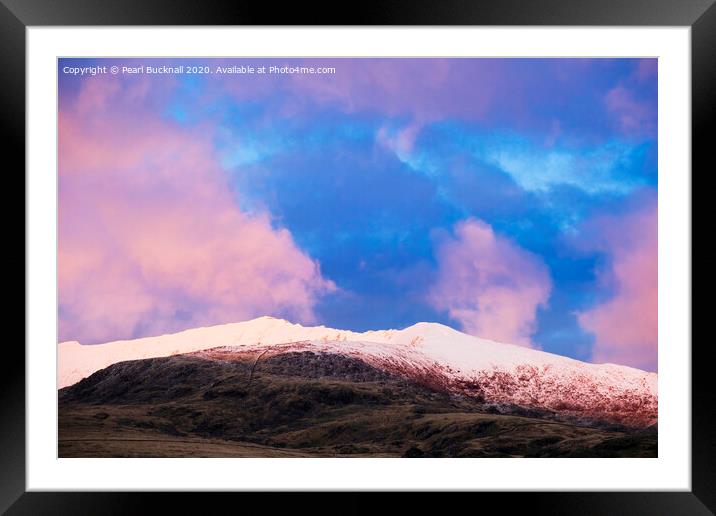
{"x": 431, "y": 353}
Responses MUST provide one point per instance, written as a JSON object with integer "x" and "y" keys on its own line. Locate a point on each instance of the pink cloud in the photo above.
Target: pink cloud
{"x": 401, "y": 142}
{"x": 150, "y": 237}
{"x": 489, "y": 284}
{"x": 632, "y": 117}
{"x": 626, "y": 326}
{"x": 385, "y": 86}
{"x": 647, "y": 68}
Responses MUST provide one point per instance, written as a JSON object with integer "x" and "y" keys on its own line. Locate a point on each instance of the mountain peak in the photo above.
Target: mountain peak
{"x": 431, "y": 327}
{"x": 268, "y": 318}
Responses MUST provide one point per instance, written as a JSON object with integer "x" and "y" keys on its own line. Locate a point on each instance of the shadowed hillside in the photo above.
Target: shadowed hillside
{"x": 302, "y": 404}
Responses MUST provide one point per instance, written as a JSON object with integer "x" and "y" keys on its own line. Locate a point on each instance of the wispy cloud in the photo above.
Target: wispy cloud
{"x": 607, "y": 168}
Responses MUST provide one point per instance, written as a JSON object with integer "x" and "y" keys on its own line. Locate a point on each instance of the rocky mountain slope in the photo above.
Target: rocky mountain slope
{"x": 220, "y": 403}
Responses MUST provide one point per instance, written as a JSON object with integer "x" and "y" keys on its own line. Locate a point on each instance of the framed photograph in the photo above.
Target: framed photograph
{"x": 442, "y": 250}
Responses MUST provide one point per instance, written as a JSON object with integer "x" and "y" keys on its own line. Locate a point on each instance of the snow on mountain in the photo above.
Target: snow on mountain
{"x": 431, "y": 353}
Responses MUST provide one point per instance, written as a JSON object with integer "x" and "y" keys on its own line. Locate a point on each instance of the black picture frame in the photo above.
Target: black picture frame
{"x": 17, "y": 15}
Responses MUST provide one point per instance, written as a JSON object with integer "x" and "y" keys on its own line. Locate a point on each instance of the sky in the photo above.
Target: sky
{"x": 512, "y": 199}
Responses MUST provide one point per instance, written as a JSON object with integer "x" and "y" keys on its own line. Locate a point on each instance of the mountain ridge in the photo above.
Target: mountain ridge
{"x": 429, "y": 352}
